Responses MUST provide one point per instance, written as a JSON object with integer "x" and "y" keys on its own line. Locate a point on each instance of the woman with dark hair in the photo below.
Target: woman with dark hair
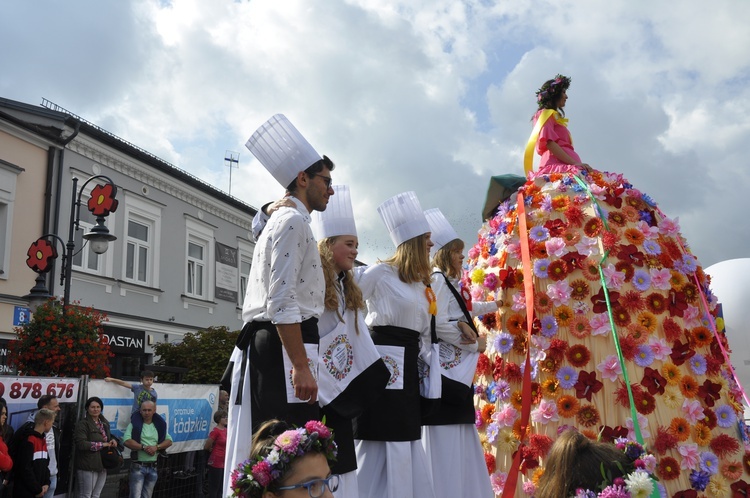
{"x": 288, "y": 462}
{"x": 611, "y": 327}
{"x": 91, "y": 436}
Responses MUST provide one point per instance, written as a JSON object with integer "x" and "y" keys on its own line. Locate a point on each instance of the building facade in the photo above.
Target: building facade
{"x": 183, "y": 248}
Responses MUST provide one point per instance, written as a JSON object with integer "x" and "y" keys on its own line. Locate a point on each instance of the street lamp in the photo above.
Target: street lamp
{"x": 43, "y": 252}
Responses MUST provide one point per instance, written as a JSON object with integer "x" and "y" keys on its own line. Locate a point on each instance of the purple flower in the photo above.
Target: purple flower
{"x": 538, "y": 233}
{"x": 651, "y": 247}
{"x": 709, "y": 462}
{"x": 568, "y": 376}
{"x": 503, "y": 342}
{"x": 540, "y": 268}
{"x": 699, "y": 479}
{"x": 549, "y": 326}
{"x": 698, "y": 364}
{"x": 725, "y": 416}
{"x": 644, "y": 356}
{"x": 641, "y": 279}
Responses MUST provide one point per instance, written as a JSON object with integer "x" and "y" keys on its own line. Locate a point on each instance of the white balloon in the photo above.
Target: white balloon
{"x": 730, "y": 283}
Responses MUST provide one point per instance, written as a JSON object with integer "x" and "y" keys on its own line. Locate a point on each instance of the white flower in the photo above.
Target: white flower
{"x": 639, "y": 484}
{"x": 273, "y": 457}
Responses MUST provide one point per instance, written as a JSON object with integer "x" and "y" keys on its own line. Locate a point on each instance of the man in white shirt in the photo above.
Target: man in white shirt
{"x": 275, "y": 360}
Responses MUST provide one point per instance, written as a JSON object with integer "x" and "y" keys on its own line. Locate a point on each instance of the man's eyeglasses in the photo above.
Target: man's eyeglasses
{"x": 317, "y": 487}
{"x": 327, "y": 179}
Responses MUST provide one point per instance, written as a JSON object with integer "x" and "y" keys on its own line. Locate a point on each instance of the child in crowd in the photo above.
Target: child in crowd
{"x": 141, "y": 392}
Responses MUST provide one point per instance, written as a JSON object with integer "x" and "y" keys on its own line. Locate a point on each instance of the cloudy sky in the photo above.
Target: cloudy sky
{"x": 427, "y": 95}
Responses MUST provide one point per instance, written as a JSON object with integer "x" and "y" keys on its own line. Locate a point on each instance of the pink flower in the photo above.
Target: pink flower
{"x": 690, "y": 316}
{"x": 505, "y": 416}
{"x": 262, "y": 472}
{"x": 642, "y": 423}
{"x": 315, "y": 426}
{"x": 610, "y": 368}
{"x": 546, "y": 412}
{"x": 693, "y": 411}
{"x": 660, "y": 348}
{"x": 490, "y": 281}
{"x": 649, "y": 232}
{"x": 477, "y": 293}
{"x": 287, "y": 441}
{"x": 690, "y": 456}
{"x": 493, "y": 261}
{"x": 600, "y": 324}
{"x": 669, "y": 227}
{"x": 559, "y": 292}
{"x": 613, "y": 277}
{"x": 529, "y": 488}
{"x": 555, "y": 246}
{"x": 473, "y": 252}
{"x": 519, "y": 301}
{"x": 514, "y": 249}
{"x": 586, "y": 246}
{"x": 497, "y": 480}
{"x": 660, "y": 279}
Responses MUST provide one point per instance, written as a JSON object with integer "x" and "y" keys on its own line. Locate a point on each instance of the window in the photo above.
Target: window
{"x": 199, "y": 257}
{"x": 85, "y": 259}
{"x": 142, "y": 238}
{"x": 8, "y": 175}
{"x": 244, "y": 275}
{"x": 196, "y": 267}
{"x": 138, "y": 249}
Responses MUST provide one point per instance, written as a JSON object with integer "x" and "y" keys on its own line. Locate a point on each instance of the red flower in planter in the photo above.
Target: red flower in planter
{"x": 40, "y": 255}
{"x": 102, "y": 201}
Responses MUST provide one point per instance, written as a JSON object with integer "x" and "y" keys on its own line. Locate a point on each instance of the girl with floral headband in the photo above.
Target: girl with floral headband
{"x": 285, "y": 461}
{"x": 611, "y": 327}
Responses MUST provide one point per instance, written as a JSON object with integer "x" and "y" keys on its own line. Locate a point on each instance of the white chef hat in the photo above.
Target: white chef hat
{"x": 338, "y": 217}
{"x": 282, "y": 149}
{"x": 403, "y": 217}
{"x": 442, "y": 231}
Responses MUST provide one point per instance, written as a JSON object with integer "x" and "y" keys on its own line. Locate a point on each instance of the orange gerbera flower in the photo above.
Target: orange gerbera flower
{"x": 537, "y": 475}
{"x": 588, "y": 416}
{"x": 691, "y": 292}
{"x": 688, "y": 386}
{"x": 563, "y": 315}
{"x": 487, "y": 411}
{"x": 516, "y": 399}
{"x": 677, "y": 279}
{"x": 578, "y": 355}
{"x": 542, "y": 302}
{"x": 701, "y": 434}
{"x": 671, "y": 373}
{"x": 560, "y": 202}
{"x": 550, "y": 388}
{"x": 590, "y": 269}
{"x": 550, "y": 364}
{"x": 539, "y": 251}
{"x": 567, "y": 406}
{"x": 632, "y": 301}
{"x": 616, "y": 218}
{"x": 557, "y": 270}
{"x": 634, "y": 236}
{"x": 638, "y": 333}
{"x": 648, "y": 320}
{"x": 516, "y": 324}
{"x": 701, "y": 337}
{"x": 680, "y": 428}
{"x": 731, "y": 470}
{"x": 656, "y": 303}
{"x": 621, "y": 316}
{"x": 593, "y": 227}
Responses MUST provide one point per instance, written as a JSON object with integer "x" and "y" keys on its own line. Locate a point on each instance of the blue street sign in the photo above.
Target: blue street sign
{"x": 21, "y": 315}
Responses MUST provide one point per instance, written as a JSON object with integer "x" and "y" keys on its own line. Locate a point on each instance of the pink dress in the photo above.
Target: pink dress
{"x": 552, "y": 130}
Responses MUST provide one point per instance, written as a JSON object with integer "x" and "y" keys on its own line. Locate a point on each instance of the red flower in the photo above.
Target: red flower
{"x": 483, "y": 365}
{"x": 102, "y": 201}
{"x": 612, "y": 200}
{"x": 489, "y": 460}
{"x": 621, "y": 394}
{"x": 672, "y": 331}
{"x": 631, "y": 254}
{"x": 724, "y": 445}
{"x": 710, "y": 392}
{"x": 740, "y": 489}
{"x": 656, "y": 303}
{"x": 644, "y": 403}
{"x": 557, "y": 270}
{"x": 599, "y": 301}
{"x": 587, "y": 385}
{"x": 541, "y": 444}
{"x": 677, "y": 303}
{"x": 593, "y": 227}
{"x": 681, "y": 352}
{"x": 610, "y": 240}
{"x": 668, "y": 468}
{"x": 608, "y": 434}
{"x": 665, "y": 440}
{"x": 574, "y": 215}
{"x": 555, "y": 227}
{"x": 710, "y": 419}
{"x": 653, "y": 381}
{"x": 573, "y": 260}
{"x": 40, "y": 255}
{"x": 578, "y": 355}
{"x": 529, "y": 459}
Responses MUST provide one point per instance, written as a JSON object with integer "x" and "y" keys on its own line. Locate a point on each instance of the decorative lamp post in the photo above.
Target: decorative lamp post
{"x": 43, "y": 252}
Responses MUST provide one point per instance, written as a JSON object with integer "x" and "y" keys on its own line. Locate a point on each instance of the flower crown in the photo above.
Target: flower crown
{"x": 638, "y": 483}
{"x": 252, "y": 477}
{"x": 551, "y": 90}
